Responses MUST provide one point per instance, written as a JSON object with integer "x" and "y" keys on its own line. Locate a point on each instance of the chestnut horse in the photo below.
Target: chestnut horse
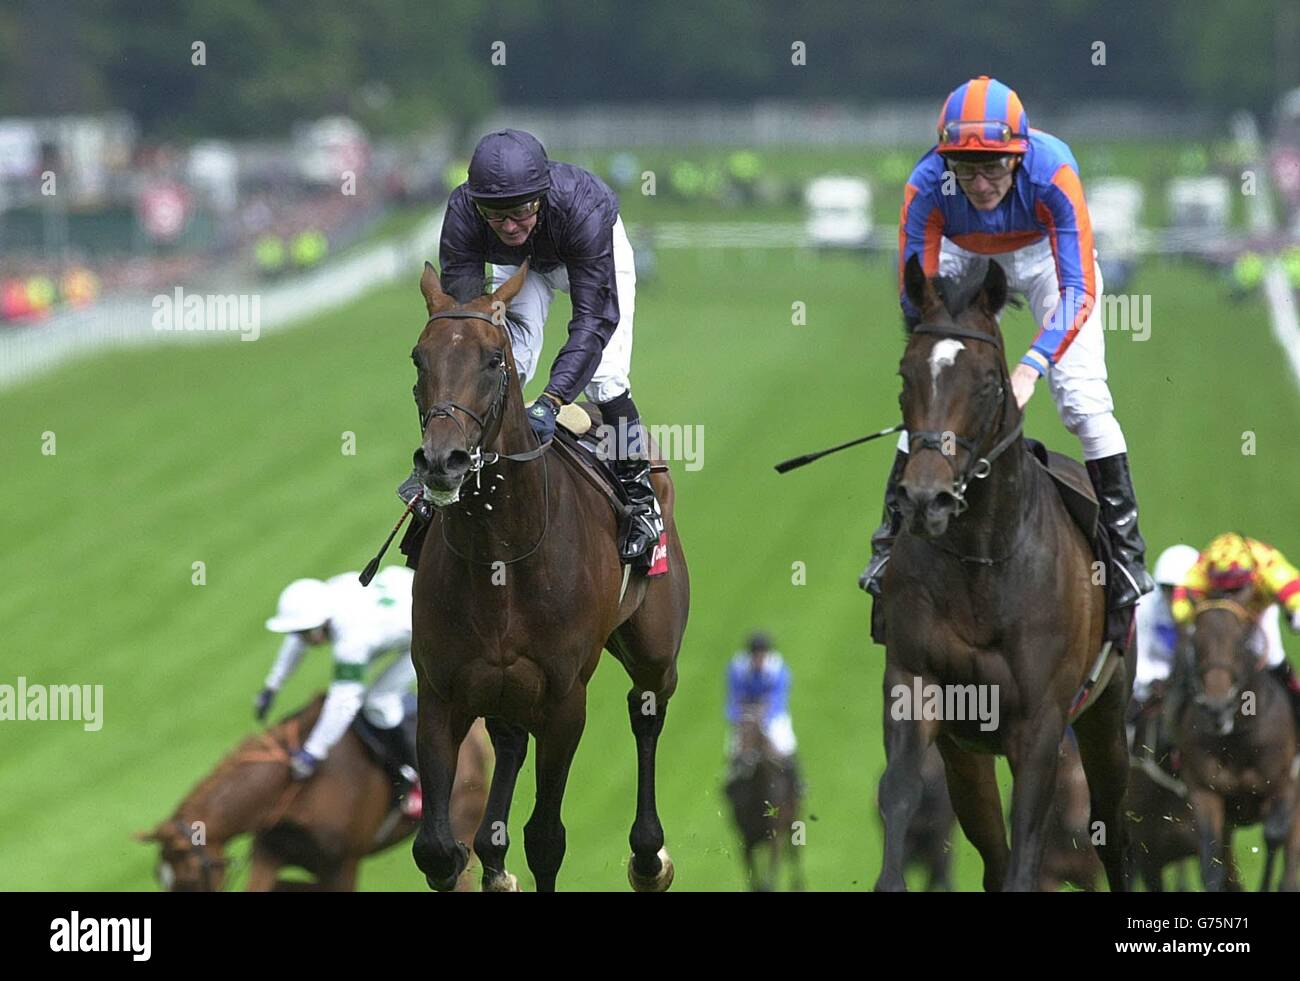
{"x": 989, "y": 593}
{"x": 1238, "y": 743}
{"x": 519, "y": 588}
{"x": 325, "y": 825}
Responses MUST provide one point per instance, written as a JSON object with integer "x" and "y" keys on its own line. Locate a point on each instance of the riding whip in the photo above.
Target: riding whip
{"x": 800, "y": 461}
{"x": 372, "y": 566}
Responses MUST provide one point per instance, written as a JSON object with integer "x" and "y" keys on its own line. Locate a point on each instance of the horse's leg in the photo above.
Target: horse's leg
{"x": 901, "y": 785}
{"x": 973, "y": 788}
{"x": 510, "y": 744}
{"x": 437, "y": 852}
{"x": 1290, "y": 881}
{"x": 469, "y": 795}
{"x": 1033, "y": 750}
{"x": 263, "y": 870}
{"x": 341, "y": 878}
{"x": 556, "y": 743}
{"x": 1208, "y": 808}
{"x": 1103, "y": 750}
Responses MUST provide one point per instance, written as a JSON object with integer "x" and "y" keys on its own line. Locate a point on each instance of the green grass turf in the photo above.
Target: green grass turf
{"x": 229, "y": 453}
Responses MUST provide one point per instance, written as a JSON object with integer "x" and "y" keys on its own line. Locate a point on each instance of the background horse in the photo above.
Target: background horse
{"x": 518, "y": 589}
{"x": 325, "y": 825}
{"x": 1068, "y": 857}
{"x": 764, "y": 797}
{"x": 1002, "y": 600}
{"x": 1238, "y": 743}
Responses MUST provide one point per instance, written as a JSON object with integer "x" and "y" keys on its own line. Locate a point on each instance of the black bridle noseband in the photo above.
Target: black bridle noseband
{"x": 977, "y": 467}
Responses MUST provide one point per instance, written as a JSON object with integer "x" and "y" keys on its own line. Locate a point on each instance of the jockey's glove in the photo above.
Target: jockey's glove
{"x": 542, "y": 415}
{"x": 262, "y": 704}
{"x": 302, "y": 764}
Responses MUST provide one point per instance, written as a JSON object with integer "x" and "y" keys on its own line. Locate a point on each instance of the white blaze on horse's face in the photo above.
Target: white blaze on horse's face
{"x": 942, "y": 355}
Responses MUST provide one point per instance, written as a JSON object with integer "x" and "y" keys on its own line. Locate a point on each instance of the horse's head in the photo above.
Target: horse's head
{"x": 185, "y": 865}
{"x": 956, "y": 397}
{"x": 464, "y": 366}
{"x": 1223, "y": 660}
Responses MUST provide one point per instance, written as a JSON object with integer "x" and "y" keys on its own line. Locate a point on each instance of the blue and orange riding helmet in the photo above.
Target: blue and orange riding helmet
{"x": 983, "y": 116}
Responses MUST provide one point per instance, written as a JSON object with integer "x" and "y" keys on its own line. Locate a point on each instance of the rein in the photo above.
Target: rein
{"x": 977, "y": 467}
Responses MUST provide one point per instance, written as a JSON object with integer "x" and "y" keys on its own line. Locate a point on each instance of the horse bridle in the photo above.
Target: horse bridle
{"x": 206, "y": 862}
{"x": 448, "y": 408}
{"x": 977, "y": 467}
{"x": 1199, "y": 696}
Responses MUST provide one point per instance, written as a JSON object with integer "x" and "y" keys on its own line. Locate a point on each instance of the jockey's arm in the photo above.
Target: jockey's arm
{"x": 920, "y": 231}
{"x": 292, "y": 649}
{"x": 593, "y": 291}
{"x": 734, "y": 696}
{"x": 342, "y": 702}
{"x": 1062, "y": 209}
{"x": 1279, "y": 579}
{"x": 463, "y": 250}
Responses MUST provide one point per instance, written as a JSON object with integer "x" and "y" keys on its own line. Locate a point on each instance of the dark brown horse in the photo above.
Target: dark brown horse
{"x": 989, "y": 596}
{"x": 325, "y": 826}
{"x": 929, "y": 836}
{"x": 1068, "y": 857}
{"x": 519, "y": 588}
{"x": 1238, "y": 743}
{"x": 764, "y": 795}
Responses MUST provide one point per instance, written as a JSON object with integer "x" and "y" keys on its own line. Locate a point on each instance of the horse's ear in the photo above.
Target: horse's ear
{"x": 993, "y": 291}
{"x": 508, "y": 290}
{"x": 431, "y": 287}
{"x": 920, "y": 291}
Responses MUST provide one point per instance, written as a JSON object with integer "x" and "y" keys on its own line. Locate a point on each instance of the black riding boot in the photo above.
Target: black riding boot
{"x": 1119, "y": 514}
{"x": 644, "y": 525}
{"x": 882, "y": 541}
{"x": 1287, "y": 679}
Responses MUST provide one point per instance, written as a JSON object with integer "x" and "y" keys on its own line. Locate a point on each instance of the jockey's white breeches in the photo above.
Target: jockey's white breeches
{"x": 528, "y": 318}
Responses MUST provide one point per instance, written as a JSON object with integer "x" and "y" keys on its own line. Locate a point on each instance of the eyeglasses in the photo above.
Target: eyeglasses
{"x": 997, "y": 167}
{"x": 520, "y": 213}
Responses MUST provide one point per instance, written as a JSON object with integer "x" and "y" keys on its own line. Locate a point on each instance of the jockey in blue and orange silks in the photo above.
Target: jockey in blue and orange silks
{"x": 992, "y": 186}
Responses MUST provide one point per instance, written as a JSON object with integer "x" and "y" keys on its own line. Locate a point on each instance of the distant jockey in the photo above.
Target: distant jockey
{"x": 1232, "y": 563}
{"x": 992, "y": 186}
{"x": 519, "y": 205}
{"x": 758, "y": 681}
{"x": 365, "y": 625}
{"x": 1157, "y": 632}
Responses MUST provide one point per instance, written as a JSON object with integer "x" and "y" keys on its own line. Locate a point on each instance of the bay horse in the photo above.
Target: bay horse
{"x": 1238, "y": 742}
{"x": 1000, "y": 602}
{"x": 518, "y": 589}
{"x": 929, "y": 836}
{"x": 326, "y": 825}
{"x": 762, "y": 790}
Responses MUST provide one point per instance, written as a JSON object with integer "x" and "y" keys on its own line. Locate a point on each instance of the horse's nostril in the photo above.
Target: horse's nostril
{"x": 420, "y": 460}
{"x": 457, "y": 461}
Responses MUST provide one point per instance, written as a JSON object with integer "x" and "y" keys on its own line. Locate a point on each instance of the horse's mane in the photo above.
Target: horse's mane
{"x": 234, "y": 758}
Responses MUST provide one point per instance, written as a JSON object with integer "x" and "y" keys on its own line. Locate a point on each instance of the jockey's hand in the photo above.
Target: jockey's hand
{"x": 542, "y": 414}
{"x": 302, "y": 765}
{"x": 1023, "y": 380}
{"x": 262, "y": 704}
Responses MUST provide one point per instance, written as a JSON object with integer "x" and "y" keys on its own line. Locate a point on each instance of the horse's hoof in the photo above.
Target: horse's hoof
{"x": 505, "y": 882}
{"x": 652, "y": 883}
